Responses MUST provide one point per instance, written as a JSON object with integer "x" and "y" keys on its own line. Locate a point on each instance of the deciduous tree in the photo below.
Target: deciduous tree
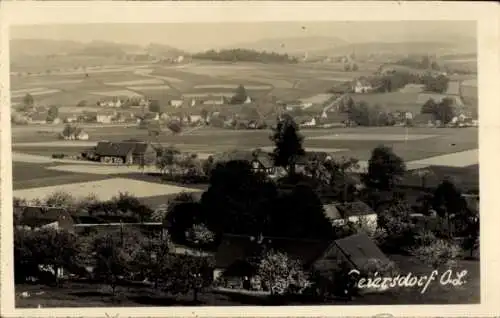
{"x": 385, "y": 168}
{"x": 288, "y": 144}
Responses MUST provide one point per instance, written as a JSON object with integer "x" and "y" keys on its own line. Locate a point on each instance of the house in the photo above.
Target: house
{"x": 195, "y": 119}
{"x": 38, "y": 118}
{"x": 233, "y": 258}
{"x": 309, "y": 123}
{"x": 176, "y": 103}
{"x": 125, "y": 152}
{"x": 424, "y": 120}
{"x": 73, "y": 118}
{"x": 355, "y": 212}
{"x": 362, "y": 85}
{"x": 214, "y": 101}
{"x": 105, "y": 117}
{"x": 356, "y": 251}
{"x": 236, "y": 254}
{"x": 151, "y": 116}
{"x": 47, "y": 217}
{"x": 55, "y": 121}
{"x": 263, "y": 162}
{"x": 248, "y": 100}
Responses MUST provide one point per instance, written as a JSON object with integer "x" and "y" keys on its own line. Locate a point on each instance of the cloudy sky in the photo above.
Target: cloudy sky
{"x": 208, "y": 35}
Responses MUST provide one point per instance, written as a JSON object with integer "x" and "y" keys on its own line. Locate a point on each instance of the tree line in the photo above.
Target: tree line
{"x": 244, "y": 55}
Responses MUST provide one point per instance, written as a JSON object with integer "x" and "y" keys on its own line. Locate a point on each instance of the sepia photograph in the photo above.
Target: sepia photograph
{"x": 266, "y": 163}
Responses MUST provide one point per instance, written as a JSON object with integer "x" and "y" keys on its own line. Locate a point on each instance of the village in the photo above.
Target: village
{"x": 230, "y": 177}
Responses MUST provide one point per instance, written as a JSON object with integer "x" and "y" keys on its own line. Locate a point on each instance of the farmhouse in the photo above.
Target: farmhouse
{"x": 233, "y": 259}
{"x": 214, "y": 101}
{"x": 355, "y": 212}
{"x": 176, "y": 103}
{"x": 43, "y": 216}
{"x": 105, "y": 117}
{"x": 38, "y": 118}
{"x": 125, "y": 152}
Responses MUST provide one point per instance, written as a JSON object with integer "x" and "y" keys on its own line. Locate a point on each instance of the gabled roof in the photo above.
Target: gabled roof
{"x": 39, "y": 215}
{"x": 239, "y": 247}
{"x": 120, "y": 149}
{"x": 265, "y": 160}
{"x": 359, "y": 248}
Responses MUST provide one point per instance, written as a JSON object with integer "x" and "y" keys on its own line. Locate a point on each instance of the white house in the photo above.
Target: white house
{"x": 310, "y": 123}
{"x": 105, "y": 117}
{"x": 195, "y": 118}
{"x": 176, "y": 102}
{"x": 214, "y": 101}
{"x": 362, "y": 86}
{"x": 355, "y": 212}
{"x": 248, "y": 100}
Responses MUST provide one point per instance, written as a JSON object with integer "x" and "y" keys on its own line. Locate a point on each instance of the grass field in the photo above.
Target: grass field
{"x": 422, "y": 143}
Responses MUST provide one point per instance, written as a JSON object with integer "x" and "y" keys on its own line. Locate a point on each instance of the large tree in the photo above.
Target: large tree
{"x": 114, "y": 253}
{"x": 240, "y": 95}
{"x": 385, "y": 168}
{"x": 281, "y": 273}
{"x": 28, "y": 101}
{"x": 188, "y": 274}
{"x": 288, "y": 143}
{"x": 300, "y": 214}
{"x": 238, "y": 200}
{"x": 57, "y": 249}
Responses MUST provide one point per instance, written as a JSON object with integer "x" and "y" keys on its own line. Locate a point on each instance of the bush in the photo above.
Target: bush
{"x": 438, "y": 253}
{"x": 58, "y": 155}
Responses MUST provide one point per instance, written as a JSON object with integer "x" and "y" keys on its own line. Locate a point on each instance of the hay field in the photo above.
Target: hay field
{"x": 104, "y": 189}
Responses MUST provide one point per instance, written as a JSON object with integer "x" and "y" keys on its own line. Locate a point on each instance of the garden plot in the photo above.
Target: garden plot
{"x": 148, "y": 81}
{"x": 125, "y": 93}
{"x": 373, "y": 137}
{"x": 105, "y": 189}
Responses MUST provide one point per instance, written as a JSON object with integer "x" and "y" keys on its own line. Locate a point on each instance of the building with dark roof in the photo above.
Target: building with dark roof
{"x": 236, "y": 255}
{"x": 125, "y": 152}
{"x": 40, "y": 217}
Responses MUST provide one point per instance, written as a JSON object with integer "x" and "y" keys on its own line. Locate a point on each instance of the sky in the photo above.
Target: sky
{"x": 201, "y": 36}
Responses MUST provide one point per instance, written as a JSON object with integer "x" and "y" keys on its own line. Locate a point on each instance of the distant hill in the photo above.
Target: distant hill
{"x": 400, "y": 48}
{"x": 162, "y": 50}
{"x": 292, "y": 45}
{"x": 37, "y": 47}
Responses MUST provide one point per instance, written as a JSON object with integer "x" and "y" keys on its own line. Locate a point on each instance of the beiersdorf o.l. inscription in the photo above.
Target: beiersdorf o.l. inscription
{"x": 410, "y": 280}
